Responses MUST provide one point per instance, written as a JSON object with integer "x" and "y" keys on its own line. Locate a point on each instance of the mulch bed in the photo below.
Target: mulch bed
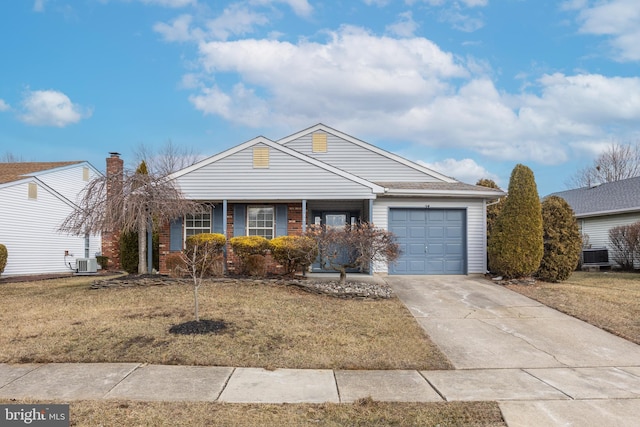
{"x": 194, "y": 327}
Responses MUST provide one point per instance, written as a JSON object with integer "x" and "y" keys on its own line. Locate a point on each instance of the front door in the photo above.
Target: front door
{"x": 336, "y": 220}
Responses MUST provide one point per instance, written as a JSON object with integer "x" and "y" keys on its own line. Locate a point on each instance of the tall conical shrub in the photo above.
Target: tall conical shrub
{"x": 516, "y": 243}
{"x": 562, "y": 241}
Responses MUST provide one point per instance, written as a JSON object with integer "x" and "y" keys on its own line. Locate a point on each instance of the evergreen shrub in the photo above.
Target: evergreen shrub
{"x": 294, "y": 253}
{"x": 4, "y": 254}
{"x": 516, "y": 244}
{"x": 562, "y": 240}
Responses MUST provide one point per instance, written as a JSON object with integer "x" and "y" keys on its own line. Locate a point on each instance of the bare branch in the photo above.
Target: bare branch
{"x": 167, "y": 160}
{"x": 617, "y": 162}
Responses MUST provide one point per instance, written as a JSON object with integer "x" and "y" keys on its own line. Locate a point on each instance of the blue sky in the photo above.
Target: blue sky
{"x": 467, "y": 87}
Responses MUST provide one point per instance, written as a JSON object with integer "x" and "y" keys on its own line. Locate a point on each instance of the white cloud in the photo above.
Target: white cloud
{"x": 425, "y": 96}
{"x": 51, "y": 108}
{"x": 4, "y": 106}
{"x": 170, "y": 3}
{"x": 38, "y": 5}
{"x": 617, "y": 19}
{"x": 300, "y": 7}
{"x": 405, "y": 26}
{"x": 465, "y": 170}
{"x": 235, "y": 20}
{"x": 178, "y": 31}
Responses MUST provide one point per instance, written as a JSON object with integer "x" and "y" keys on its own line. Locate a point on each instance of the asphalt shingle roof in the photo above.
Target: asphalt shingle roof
{"x": 15, "y": 171}
{"x": 623, "y": 195}
{"x": 445, "y": 186}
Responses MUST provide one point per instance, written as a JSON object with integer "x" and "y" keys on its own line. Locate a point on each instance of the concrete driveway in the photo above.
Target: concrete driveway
{"x": 541, "y": 365}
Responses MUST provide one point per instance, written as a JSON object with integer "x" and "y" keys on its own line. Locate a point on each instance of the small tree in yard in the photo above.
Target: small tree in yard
{"x": 354, "y": 246}
{"x": 516, "y": 244}
{"x": 200, "y": 255}
{"x": 562, "y": 241}
{"x": 625, "y": 240}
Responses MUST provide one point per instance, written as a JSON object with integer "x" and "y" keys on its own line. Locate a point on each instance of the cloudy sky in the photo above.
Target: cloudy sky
{"x": 467, "y": 87}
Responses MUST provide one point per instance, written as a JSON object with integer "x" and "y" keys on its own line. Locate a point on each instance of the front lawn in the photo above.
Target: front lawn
{"x": 269, "y": 326}
{"x": 608, "y": 300}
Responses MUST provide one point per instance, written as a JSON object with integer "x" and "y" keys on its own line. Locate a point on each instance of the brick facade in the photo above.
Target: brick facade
{"x": 294, "y": 228}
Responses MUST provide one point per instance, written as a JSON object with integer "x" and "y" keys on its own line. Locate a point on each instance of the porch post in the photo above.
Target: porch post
{"x": 370, "y": 210}
{"x": 224, "y": 231}
{"x": 304, "y": 216}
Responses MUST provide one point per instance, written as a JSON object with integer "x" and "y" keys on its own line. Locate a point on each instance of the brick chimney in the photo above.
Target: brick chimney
{"x": 111, "y": 238}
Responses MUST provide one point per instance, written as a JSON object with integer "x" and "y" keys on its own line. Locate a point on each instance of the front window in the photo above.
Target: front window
{"x": 260, "y": 221}
{"x": 197, "y": 223}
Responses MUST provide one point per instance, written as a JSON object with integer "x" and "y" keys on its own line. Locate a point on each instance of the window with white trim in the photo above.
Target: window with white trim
{"x": 197, "y": 223}
{"x": 261, "y": 221}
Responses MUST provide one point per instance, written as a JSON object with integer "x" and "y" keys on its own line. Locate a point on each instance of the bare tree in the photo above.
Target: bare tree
{"x": 9, "y": 157}
{"x": 617, "y": 162}
{"x": 167, "y": 159}
{"x": 354, "y": 246}
{"x": 136, "y": 201}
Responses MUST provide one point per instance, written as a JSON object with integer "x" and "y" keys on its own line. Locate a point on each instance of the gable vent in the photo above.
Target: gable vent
{"x": 85, "y": 173}
{"x": 33, "y": 191}
{"x": 319, "y": 142}
{"x": 261, "y": 157}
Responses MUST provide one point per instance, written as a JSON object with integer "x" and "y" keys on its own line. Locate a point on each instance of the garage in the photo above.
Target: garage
{"x": 432, "y": 241}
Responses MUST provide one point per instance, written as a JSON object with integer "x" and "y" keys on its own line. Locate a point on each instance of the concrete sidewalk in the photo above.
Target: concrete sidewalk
{"x": 576, "y": 396}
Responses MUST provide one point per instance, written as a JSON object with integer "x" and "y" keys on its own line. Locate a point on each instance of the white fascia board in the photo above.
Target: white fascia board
{"x": 276, "y": 146}
{"x": 368, "y": 146}
{"x": 61, "y": 168}
{"x": 444, "y": 193}
{"x": 607, "y": 213}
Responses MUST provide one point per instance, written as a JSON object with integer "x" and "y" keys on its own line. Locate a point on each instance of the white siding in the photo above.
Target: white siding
{"x": 476, "y": 227}
{"x": 28, "y": 228}
{"x": 67, "y": 181}
{"x": 286, "y": 178}
{"x": 597, "y": 228}
{"x": 360, "y": 161}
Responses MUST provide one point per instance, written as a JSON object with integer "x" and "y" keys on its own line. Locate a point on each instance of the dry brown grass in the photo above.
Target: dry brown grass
{"x": 610, "y": 300}
{"x": 63, "y": 320}
{"x": 363, "y": 413}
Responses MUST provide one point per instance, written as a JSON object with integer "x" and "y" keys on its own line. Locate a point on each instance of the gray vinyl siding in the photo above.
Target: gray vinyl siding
{"x": 597, "y": 228}
{"x": 287, "y": 178}
{"x": 476, "y": 230}
{"x": 360, "y": 161}
{"x": 29, "y": 231}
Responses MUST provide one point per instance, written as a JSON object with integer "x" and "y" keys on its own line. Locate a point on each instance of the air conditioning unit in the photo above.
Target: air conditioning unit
{"x": 86, "y": 265}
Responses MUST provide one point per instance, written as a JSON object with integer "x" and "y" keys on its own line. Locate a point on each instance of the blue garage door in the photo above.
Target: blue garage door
{"x": 432, "y": 241}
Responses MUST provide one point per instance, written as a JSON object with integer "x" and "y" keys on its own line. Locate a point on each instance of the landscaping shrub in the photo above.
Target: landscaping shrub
{"x": 129, "y": 252}
{"x": 208, "y": 247}
{"x": 562, "y": 241}
{"x": 516, "y": 244}
{"x": 294, "y": 253}
{"x": 175, "y": 264}
{"x": 625, "y": 241}
{"x": 256, "y": 265}
{"x": 4, "y": 254}
{"x": 103, "y": 261}
{"x": 493, "y": 209}
{"x": 245, "y": 246}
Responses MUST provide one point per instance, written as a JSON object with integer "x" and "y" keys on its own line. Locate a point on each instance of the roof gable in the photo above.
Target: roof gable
{"x": 232, "y": 175}
{"x": 347, "y": 162}
{"x": 608, "y": 198}
{"x": 20, "y": 170}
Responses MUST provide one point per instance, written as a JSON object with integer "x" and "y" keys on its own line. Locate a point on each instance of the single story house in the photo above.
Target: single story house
{"x": 601, "y": 207}
{"x": 323, "y": 176}
{"x": 35, "y": 197}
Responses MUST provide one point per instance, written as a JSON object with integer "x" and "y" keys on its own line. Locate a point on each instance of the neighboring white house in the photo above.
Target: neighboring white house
{"x": 35, "y": 197}
{"x": 602, "y": 207}
{"x": 323, "y": 176}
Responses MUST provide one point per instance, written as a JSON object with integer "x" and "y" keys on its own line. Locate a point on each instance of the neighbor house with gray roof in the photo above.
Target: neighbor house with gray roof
{"x": 601, "y": 207}
{"x": 322, "y": 176}
{"x": 35, "y": 197}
